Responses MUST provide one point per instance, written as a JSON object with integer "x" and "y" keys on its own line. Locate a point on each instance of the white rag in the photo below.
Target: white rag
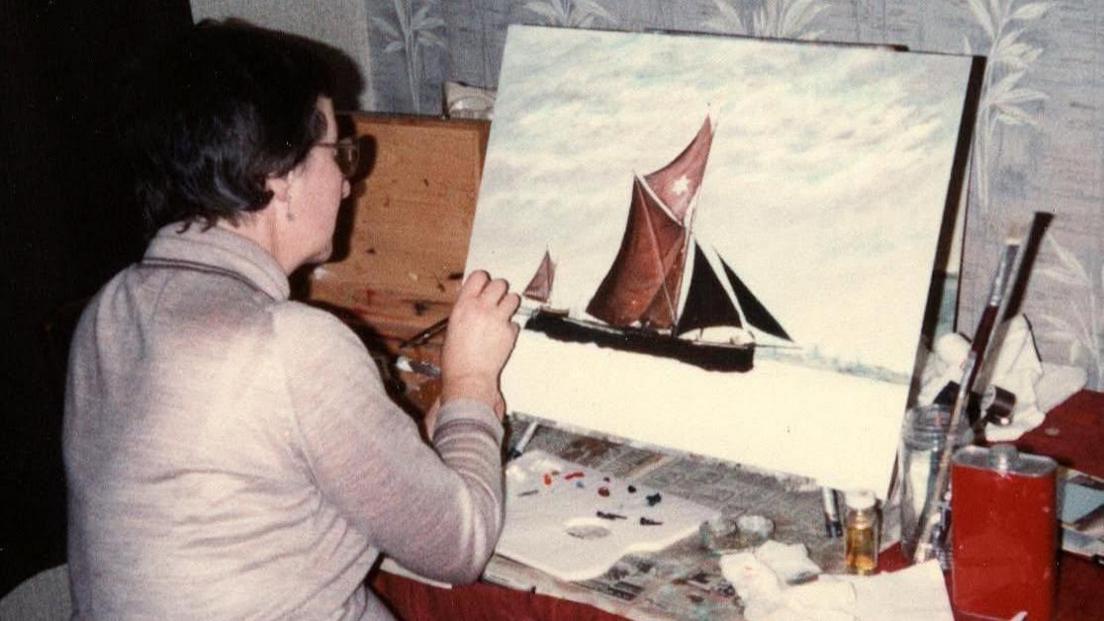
{"x": 1038, "y": 386}
{"x": 917, "y": 593}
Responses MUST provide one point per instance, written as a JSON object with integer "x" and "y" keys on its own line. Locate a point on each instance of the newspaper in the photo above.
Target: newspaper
{"x": 1081, "y": 513}
{"x": 683, "y": 581}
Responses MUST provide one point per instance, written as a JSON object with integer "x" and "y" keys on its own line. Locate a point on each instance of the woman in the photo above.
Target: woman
{"x": 231, "y": 453}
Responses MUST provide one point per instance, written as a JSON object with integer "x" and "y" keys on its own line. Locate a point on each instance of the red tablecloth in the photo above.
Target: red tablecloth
{"x": 1073, "y": 434}
{"x": 415, "y": 601}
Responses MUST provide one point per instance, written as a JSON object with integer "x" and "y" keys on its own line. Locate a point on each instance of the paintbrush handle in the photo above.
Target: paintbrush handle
{"x": 930, "y": 515}
{"x": 989, "y": 316}
{"x": 526, "y": 436}
{"x": 423, "y": 336}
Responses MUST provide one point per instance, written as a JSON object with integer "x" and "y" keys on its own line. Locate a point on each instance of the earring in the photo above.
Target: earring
{"x": 290, "y": 215}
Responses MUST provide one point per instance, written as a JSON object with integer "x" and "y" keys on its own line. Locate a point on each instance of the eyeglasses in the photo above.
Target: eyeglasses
{"x": 346, "y": 154}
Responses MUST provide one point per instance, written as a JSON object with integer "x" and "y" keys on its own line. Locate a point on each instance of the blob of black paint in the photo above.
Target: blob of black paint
{"x": 646, "y": 522}
{"x": 654, "y": 499}
{"x": 632, "y": 489}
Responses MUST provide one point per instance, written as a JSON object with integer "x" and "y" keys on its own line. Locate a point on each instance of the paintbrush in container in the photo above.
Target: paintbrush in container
{"x": 1007, "y": 273}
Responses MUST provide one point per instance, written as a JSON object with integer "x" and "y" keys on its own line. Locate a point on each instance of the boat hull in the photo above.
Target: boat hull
{"x": 710, "y": 356}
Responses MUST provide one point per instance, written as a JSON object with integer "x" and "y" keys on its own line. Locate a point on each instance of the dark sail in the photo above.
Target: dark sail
{"x": 707, "y": 303}
{"x": 754, "y": 312}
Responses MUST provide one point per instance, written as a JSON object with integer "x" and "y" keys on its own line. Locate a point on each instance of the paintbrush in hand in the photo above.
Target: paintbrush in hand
{"x": 423, "y": 336}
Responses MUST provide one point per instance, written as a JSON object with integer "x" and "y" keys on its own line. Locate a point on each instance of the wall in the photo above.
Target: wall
{"x": 1039, "y": 136}
{"x": 342, "y": 24}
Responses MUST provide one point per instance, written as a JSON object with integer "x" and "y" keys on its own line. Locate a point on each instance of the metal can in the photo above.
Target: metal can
{"x": 1004, "y": 532}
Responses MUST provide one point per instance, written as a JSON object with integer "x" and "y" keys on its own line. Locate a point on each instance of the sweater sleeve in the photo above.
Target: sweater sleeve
{"x": 437, "y": 513}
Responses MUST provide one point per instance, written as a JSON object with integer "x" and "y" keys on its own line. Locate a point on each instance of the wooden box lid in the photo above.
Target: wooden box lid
{"x": 402, "y": 237}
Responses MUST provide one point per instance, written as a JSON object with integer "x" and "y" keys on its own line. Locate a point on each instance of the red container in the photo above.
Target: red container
{"x": 1004, "y": 533}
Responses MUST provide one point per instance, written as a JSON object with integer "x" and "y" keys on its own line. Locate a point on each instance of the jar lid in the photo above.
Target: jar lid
{"x": 859, "y": 499}
{"x": 925, "y": 427}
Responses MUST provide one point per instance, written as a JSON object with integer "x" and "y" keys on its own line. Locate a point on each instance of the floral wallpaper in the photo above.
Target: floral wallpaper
{"x": 1038, "y": 139}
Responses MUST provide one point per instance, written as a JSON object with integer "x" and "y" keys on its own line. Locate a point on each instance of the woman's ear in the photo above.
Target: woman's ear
{"x": 280, "y": 187}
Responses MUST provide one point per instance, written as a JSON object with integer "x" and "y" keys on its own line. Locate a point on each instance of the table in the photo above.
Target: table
{"x": 1072, "y": 434}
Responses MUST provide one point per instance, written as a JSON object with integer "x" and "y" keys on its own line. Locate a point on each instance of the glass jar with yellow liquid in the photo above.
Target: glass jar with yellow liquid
{"x": 861, "y": 533}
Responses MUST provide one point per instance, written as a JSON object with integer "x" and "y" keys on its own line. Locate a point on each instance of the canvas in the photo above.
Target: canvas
{"x": 776, "y": 205}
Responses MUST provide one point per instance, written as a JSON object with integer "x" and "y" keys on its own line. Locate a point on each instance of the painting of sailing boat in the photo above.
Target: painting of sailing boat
{"x": 639, "y": 306}
{"x": 742, "y": 229}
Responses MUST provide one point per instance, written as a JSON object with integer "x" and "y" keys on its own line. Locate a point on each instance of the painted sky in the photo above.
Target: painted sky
{"x": 824, "y": 190}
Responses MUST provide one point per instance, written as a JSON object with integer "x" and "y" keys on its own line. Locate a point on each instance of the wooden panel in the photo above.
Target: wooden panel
{"x": 402, "y": 240}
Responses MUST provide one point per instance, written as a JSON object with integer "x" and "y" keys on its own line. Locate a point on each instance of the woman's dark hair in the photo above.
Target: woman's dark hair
{"x": 218, "y": 112}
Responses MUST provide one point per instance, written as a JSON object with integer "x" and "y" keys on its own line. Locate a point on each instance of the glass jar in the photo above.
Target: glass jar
{"x": 923, "y": 436}
{"x": 861, "y": 533}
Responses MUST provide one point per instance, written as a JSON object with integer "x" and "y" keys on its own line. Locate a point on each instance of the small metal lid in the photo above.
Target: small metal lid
{"x": 1004, "y": 458}
{"x": 859, "y": 499}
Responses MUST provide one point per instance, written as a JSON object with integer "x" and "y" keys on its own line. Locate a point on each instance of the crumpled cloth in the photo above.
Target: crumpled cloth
{"x": 789, "y": 561}
{"x": 760, "y": 577}
{"x": 917, "y": 593}
{"x": 1038, "y": 386}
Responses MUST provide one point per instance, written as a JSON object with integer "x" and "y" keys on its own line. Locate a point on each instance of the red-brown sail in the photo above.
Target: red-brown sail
{"x": 644, "y": 281}
{"x": 676, "y": 183}
{"x": 650, "y": 250}
{"x": 540, "y": 287}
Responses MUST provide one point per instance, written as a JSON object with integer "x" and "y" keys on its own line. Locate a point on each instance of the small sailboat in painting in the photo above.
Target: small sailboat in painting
{"x": 640, "y": 305}
{"x": 539, "y": 288}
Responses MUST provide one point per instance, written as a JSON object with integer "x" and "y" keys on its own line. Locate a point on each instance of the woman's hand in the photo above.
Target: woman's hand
{"x": 479, "y": 340}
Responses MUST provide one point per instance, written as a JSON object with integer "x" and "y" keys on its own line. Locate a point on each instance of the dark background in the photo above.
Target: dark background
{"x": 67, "y": 223}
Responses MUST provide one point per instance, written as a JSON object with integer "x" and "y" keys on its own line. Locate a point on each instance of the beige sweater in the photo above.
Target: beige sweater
{"x": 232, "y": 454}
